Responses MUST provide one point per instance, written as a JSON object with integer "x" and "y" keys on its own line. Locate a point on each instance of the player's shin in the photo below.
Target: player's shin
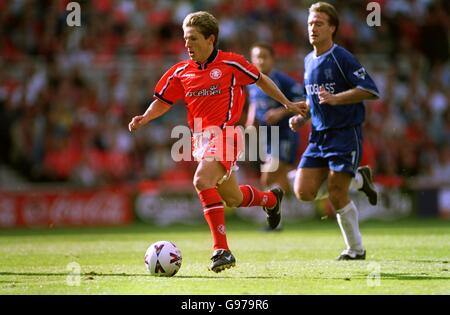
{"x": 253, "y": 197}
{"x": 347, "y": 218}
{"x": 213, "y": 210}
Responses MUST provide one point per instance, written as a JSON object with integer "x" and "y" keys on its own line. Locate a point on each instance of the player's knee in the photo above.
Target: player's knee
{"x": 302, "y": 194}
{"x": 233, "y": 202}
{"x": 305, "y": 195}
{"x": 201, "y": 183}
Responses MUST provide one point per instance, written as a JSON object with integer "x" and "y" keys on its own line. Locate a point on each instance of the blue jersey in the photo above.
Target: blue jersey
{"x": 263, "y": 103}
{"x": 337, "y": 71}
{"x": 288, "y": 139}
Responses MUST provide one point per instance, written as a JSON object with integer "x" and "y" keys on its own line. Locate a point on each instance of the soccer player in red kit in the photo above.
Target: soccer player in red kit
{"x": 211, "y": 83}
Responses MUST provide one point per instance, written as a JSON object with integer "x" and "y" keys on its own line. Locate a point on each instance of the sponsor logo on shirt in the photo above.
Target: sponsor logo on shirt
{"x": 188, "y": 75}
{"x": 314, "y": 89}
{"x": 213, "y": 90}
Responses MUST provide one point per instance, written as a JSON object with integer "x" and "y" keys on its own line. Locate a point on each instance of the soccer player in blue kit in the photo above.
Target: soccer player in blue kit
{"x": 336, "y": 86}
{"x": 265, "y": 111}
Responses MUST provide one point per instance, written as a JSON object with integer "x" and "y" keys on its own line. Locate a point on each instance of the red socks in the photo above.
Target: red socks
{"x": 213, "y": 209}
{"x": 254, "y": 197}
{"x": 214, "y": 213}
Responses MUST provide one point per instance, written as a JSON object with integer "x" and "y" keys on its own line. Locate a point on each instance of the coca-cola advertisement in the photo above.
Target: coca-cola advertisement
{"x": 65, "y": 208}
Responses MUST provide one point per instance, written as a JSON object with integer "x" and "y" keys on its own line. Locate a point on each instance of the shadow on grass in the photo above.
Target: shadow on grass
{"x": 59, "y": 274}
{"x": 408, "y": 276}
{"x": 230, "y": 277}
{"x": 95, "y": 274}
{"x": 428, "y": 261}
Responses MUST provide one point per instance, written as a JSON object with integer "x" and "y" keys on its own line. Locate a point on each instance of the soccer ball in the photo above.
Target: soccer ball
{"x": 163, "y": 259}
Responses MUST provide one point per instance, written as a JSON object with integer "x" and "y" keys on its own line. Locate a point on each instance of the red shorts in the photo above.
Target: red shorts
{"x": 215, "y": 144}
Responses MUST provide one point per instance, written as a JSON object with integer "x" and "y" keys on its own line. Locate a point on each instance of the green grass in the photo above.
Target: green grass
{"x": 412, "y": 257}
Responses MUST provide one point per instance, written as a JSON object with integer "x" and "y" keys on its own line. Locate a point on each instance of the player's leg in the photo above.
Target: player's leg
{"x": 249, "y": 196}
{"x": 363, "y": 181}
{"x": 346, "y": 214}
{"x": 275, "y": 180}
{"x": 230, "y": 192}
{"x": 206, "y": 177}
{"x": 312, "y": 171}
{"x": 279, "y": 177}
{"x": 281, "y": 160}
{"x": 345, "y": 147}
{"x": 309, "y": 177}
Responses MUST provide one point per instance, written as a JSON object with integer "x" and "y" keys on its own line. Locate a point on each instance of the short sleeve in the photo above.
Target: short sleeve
{"x": 244, "y": 72}
{"x": 169, "y": 88}
{"x": 356, "y": 74}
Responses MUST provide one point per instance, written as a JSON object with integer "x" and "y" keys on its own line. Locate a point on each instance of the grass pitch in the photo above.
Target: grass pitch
{"x": 405, "y": 257}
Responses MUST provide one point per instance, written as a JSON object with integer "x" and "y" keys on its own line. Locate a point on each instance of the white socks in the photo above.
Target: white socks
{"x": 347, "y": 218}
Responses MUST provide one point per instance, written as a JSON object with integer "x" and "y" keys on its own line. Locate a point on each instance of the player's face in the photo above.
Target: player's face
{"x": 199, "y": 48}
{"x": 319, "y": 30}
{"x": 262, "y": 59}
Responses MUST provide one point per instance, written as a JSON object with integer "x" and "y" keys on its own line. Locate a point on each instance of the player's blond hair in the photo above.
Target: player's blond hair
{"x": 330, "y": 11}
{"x": 204, "y": 22}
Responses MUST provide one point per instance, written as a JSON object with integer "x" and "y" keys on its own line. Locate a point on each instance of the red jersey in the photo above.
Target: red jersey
{"x": 213, "y": 91}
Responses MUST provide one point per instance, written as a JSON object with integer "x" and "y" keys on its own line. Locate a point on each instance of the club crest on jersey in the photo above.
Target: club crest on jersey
{"x": 215, "y": 74}
{"x": 360, "y": 73}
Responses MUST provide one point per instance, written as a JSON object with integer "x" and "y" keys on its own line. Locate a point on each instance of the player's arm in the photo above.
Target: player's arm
{"x": 156, "y": 109}
{"x": 274, "y": 115}
{"x": 298, "y": 121}
{"x": 351, "y": 96}
{"x": 270, "y": 88}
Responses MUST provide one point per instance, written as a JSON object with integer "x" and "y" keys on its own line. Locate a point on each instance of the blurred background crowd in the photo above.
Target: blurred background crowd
{"x": 68, "y": 93}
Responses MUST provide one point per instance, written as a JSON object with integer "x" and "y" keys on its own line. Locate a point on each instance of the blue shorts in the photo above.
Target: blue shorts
{"x": 287, "y": 146}
{"x": 339, "y": 150}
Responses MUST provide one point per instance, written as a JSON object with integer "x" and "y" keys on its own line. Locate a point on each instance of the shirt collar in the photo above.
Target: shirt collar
{"x": 210, "y": 59}
{"x": 325, "y": 53}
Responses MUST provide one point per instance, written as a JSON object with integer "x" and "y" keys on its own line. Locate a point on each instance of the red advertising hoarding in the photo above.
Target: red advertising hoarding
{"x": 65, "y": 208}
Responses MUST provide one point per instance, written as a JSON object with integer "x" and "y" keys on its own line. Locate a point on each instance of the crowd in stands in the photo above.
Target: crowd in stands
{"x": 68, "y": 93}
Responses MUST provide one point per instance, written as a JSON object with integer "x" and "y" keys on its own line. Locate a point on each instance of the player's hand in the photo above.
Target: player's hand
{"x": 299, "y": 108}
{"x": 326, "y": 97}
{"x": 274, "y": 115}
{"x": 136, "y": 122}
{"x": 298, "y": 121}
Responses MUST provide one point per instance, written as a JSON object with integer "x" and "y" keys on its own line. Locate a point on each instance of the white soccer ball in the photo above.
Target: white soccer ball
{"x": 163, "y": 259}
